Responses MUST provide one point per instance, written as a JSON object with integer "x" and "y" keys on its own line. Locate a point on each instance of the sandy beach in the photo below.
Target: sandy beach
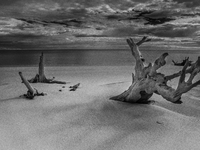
{"x": 97, "y": 43}
{"x": 86, "y": 119}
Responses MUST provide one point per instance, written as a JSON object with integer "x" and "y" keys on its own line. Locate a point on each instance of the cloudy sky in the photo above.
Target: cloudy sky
{"x": 172, "y": 24}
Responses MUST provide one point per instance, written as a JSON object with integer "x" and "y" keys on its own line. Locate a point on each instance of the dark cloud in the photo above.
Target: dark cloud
{"x": 17, "y": 40}
{"x": 188, "y": 3}
{"x": 8, "y": 2}
{"x": 77, "y": 13}
{"x": 113, "y": 3}
{"x": 125, "y": 4}
{"x": 162, "y": 14}
{"x": 173, "y": 31}
{"x": 160, "y": 31}
{"x": 157, "y": 21}
{"x": 114, "y": 17}
{"x": 69, "y": 8}
{"x": 79, "y": 9}
{"x": 123, "y": 31}
{"x": 148, "y": 17}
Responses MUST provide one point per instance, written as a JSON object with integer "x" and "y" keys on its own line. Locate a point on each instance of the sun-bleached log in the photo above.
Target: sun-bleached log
{"x": 40, "y": 77}
{"x": 147, "y": 80}
{"x": 32, "y": 92}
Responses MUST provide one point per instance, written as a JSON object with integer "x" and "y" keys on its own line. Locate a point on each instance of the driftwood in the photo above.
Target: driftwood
{"x": 147, "y": 80}
{"x": 32, "y": 92}
{"x": 40, "y": 77}
{"x": 74, "y": 87}
{"x": 183, "y": 62}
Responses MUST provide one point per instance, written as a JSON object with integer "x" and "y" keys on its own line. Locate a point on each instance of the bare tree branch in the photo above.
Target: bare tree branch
{"x": 144, "y": 39}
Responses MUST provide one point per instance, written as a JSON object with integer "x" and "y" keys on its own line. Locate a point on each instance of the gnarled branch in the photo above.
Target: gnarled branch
{"x": 147, "y": 80}
{"x": 174, "y": 95}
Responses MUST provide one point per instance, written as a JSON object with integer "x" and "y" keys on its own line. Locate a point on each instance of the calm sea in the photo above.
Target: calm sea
{"x": 84, "y": 57}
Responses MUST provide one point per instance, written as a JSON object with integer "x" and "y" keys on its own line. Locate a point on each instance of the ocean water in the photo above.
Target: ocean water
{"x": 11, "y": 58}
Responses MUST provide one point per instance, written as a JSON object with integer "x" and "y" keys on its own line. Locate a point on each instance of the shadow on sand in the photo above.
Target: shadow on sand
{"x": 10, "y": 99}
{"x": 122, "y": 119}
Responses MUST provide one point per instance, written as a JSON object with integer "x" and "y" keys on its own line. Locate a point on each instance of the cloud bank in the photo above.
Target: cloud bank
{"x": 74, "y": 20}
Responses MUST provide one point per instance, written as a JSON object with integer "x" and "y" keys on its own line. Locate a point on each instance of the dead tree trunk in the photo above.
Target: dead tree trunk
{"x": 147, "y": 80}
{"x": 32, "y": 92}
{"x": 40, "y": 77}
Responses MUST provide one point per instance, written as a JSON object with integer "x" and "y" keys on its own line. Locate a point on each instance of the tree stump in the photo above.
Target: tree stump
{"x": 147, "y": 80}
{"x": 40, "y": 77}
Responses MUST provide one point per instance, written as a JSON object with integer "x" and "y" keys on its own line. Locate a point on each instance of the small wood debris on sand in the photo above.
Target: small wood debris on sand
{"x": 74, "y": 87}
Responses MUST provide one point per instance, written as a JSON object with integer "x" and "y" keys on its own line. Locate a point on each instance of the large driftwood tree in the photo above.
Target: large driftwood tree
{"x": 40, "y": 77}
{"x": 147, "y": 80}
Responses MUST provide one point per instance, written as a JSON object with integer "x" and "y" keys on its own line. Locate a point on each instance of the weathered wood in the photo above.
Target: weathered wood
{"x": 174, "y": 95}
{"x": 159, "y": 62}
{"x": 142, "y": 87}
{"x": 138, "y": 57}
{"x": 182, "y": 63}
{"x": 74, "y": 87}
{"x": 189, "y": 70}
{"x": 40, "y": 77}
{"x": 32, "y": 92}
{"x": 147, "y": 80}
{"x": 27, "y": 84}
{"x": 133, "y": 77}
{"x": 144, "y": 39}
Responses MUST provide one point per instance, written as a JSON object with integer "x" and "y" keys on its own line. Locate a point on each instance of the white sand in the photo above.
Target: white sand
{"x": 87, "y": 120}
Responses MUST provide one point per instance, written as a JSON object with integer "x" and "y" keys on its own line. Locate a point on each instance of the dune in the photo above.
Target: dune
{"x": 86, "y": 119}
